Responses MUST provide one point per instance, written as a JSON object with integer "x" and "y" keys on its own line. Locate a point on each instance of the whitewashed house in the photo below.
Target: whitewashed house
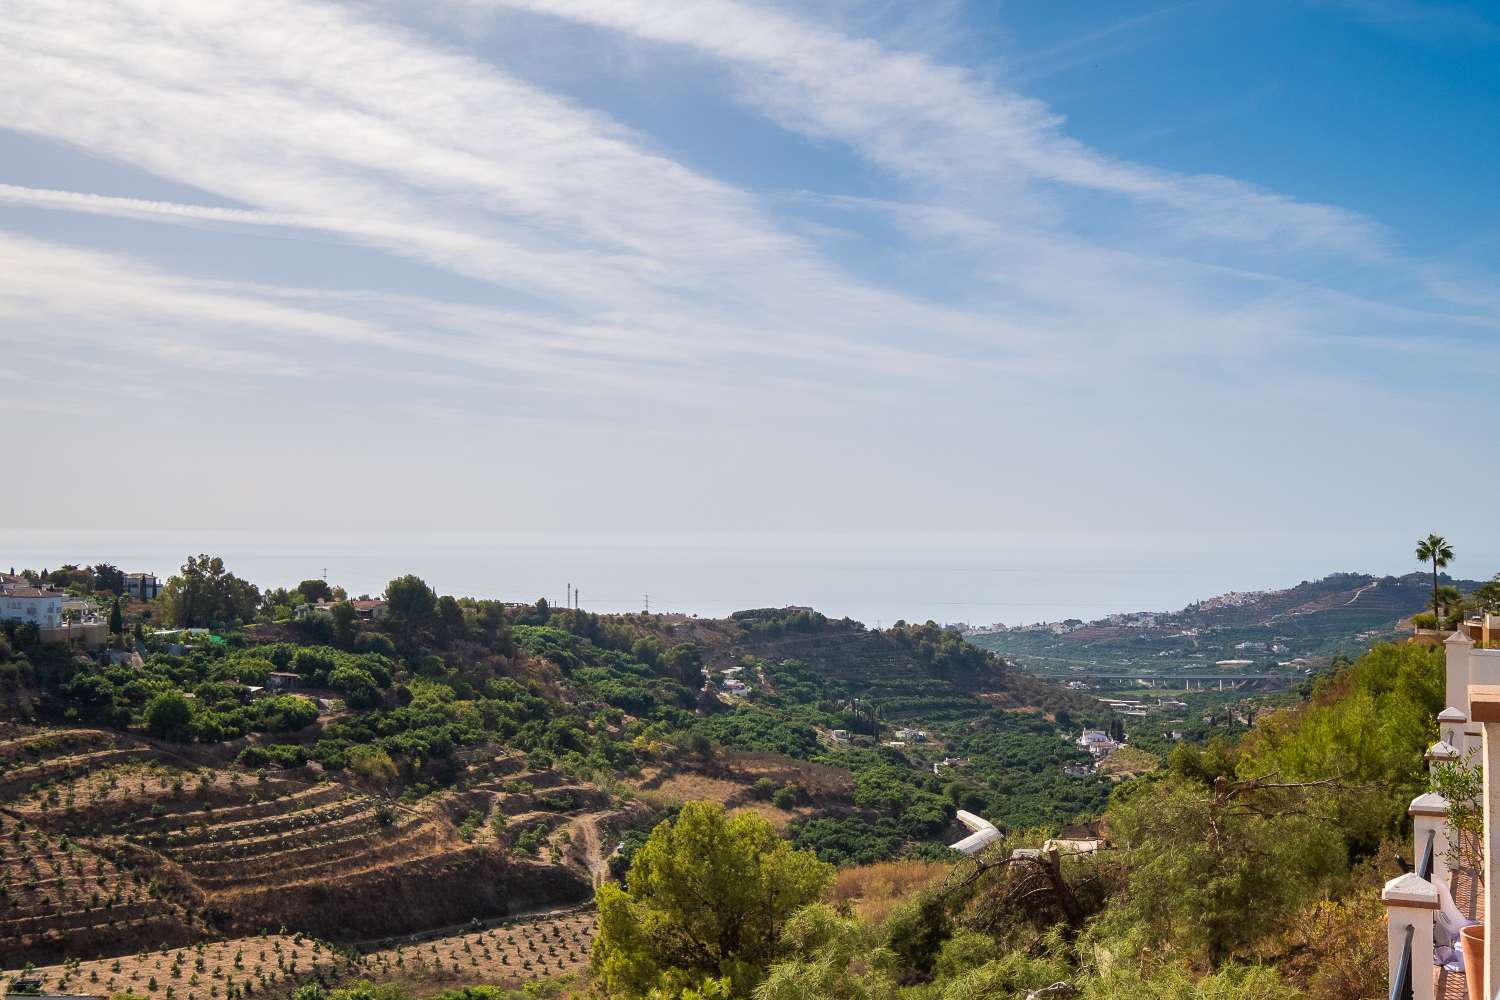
{"x": 39, "y": 606}
{"x": 1098, "y": 742}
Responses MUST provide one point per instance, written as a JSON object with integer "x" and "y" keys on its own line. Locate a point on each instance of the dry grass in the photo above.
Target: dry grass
{"x": 821, "y": 781}
{"x": 689, "y": 786}
{"x": 1128, "y": 762}
{"x": 872, "y": 891}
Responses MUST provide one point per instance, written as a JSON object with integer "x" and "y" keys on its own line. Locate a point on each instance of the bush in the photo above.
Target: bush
{"x": 284, "y": 713}
{"x": 279, "y": 755}
{"x": 372, "y": 764}
{"x": 168, "y": 715}
{"x": 786, "y": 796}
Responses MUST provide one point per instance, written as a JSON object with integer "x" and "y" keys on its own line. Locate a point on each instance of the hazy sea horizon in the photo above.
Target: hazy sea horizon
{"x": 875, "y": 578}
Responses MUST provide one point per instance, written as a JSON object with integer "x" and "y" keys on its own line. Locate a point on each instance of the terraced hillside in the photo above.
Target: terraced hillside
{"x": 57, "y": 897}
{"x": 111, "y": 844}
{"x": 509, "y": 953}
{"x": 243, "y": 967}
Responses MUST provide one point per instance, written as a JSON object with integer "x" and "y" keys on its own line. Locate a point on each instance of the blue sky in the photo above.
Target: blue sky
{"x": 1099, "y": 268}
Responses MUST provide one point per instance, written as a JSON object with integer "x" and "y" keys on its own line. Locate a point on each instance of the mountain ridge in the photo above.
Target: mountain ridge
{"x": 1299, "y": 628}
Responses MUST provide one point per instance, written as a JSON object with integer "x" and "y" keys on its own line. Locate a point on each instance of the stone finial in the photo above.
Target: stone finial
{"x": 1451, "y": 714}
{"x": 1410, "y": 890}
{"x": 1442, "y": 750}
{"x": 1458, "y": 638}
{"x": 1428, "y": 804}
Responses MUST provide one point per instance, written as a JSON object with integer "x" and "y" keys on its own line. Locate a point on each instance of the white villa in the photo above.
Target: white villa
{"x": 22, "y": 602}
{"x": 142, "y": 586}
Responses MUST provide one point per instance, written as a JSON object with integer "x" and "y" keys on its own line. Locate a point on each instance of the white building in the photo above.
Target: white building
{"x": 142, "y": 586}
{"x": 38, "y": 606}
{"x": 1097, "y": 742}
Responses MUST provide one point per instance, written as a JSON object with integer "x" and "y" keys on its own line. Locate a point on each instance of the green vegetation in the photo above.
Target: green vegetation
{"x": 1226, "y": 870}
{"x": 1435, "y": 549}
{"x": 204, "y": 593}
{"x": 706, "y": 902}
{"x": 1227, "y": 867}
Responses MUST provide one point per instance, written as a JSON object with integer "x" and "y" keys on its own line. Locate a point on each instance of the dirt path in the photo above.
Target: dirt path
{"x": 590, "y": 843}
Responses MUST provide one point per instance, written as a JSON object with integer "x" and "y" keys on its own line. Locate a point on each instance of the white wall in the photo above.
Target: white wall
{"x": 44, "y": 612}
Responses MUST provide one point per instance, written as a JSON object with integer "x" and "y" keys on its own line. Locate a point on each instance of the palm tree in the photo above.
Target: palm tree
{"x": 1435, "y": 549}
{"x": 1446, "y": 599}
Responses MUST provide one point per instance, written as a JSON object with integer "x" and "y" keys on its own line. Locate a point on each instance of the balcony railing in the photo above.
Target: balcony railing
{"x": 1401, "y": 981}
{"x": 1424, "y": 867}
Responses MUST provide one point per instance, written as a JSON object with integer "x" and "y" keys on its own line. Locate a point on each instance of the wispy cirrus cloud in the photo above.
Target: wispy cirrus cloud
{"x": 294, "y": 110}
{"x": 942, "y": 125}
{"x": 485, "y": 245}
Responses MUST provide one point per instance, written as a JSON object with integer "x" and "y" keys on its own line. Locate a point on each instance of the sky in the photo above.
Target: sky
{"x": 1163, "y": 272}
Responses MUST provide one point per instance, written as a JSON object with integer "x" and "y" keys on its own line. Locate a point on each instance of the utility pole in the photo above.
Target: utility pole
{"x": 648, "y": 603}
{"x": 575, "y": 598}
{"x": 569, "y": 603}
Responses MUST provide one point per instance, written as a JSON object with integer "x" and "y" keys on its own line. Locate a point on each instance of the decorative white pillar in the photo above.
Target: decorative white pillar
{"x": 1456, "y": 657}
{"x": 1440, "y": 753}
{"x": 1484, "y": 708}
{"x": 1452, "y": 722}
{"x": 1429, "y": 814}
{"x": 1411, "y": 902}
{"x": 1473, "y": 745}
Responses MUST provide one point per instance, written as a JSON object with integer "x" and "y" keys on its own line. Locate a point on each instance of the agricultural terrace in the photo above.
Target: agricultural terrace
{"x": 37, "y": 759}
{"x": 269, "y": 965}
{"x": 55, "y": 893}
{"x": 510, "y": 953}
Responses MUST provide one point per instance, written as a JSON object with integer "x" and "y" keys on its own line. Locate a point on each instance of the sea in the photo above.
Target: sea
{"x": 876, "y": 578}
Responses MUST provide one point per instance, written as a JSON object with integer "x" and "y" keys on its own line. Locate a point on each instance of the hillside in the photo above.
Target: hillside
{"x": 361, "y": 781}
{"x": 1285, "y": 631}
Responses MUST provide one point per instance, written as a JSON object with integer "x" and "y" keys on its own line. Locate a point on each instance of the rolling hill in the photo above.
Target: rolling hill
{"x": 1295, "y": 629}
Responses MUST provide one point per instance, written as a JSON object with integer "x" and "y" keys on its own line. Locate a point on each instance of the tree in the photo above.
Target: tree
{"x": 205, "y": 594}
{"x": 707, "y": 898}
{"x": 345, "y": 623}
{"x": 1447, "y": 603}
{"x": 1217, "y": 868}
{"x": 313, "y": 591}
{"x": 357, "y": 686}
{"x": 410, "y": 602}
{"x": 1487, "y": 597}
{"x": 450, "y": 620}
{"x": 684, "y": 662}
{"x": 116, "y": 618}
{"x": 1435, "y": 549}
{"x": 110, "y": 578}
{"x": 168, "y": 714}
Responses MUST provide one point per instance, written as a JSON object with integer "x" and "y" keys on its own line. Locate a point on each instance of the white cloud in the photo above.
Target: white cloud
{"x": 606, "y": 292}
{"x": 318, "y": 118}
{"x": 940, "y": 124}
